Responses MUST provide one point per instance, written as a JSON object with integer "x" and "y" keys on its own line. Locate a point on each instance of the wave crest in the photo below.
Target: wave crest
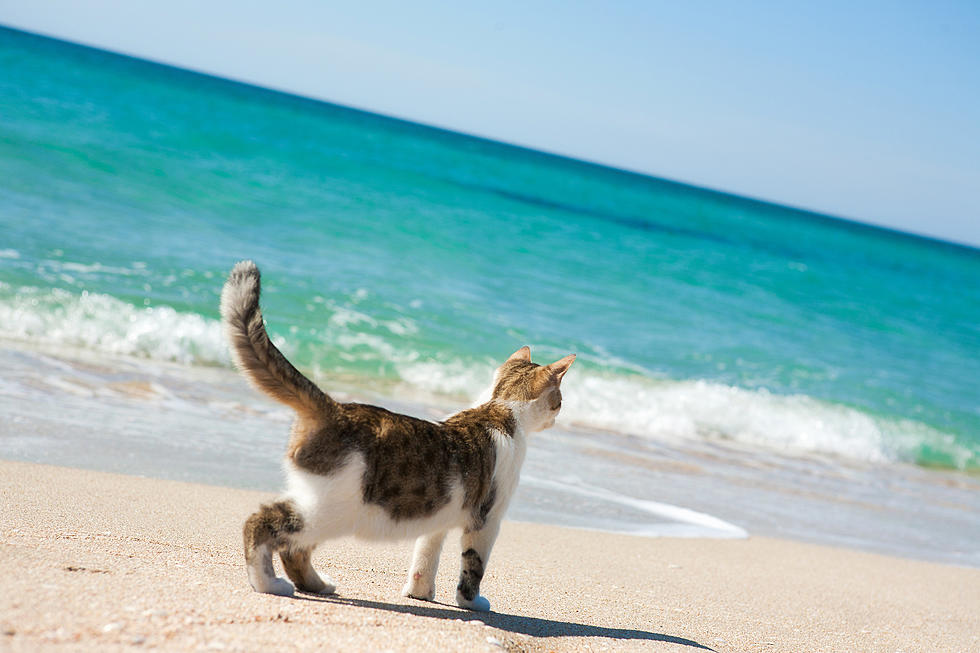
{"x": 626, "y": 403}
{"x": 677, "y": 411}
{"x": 102, "y": 322}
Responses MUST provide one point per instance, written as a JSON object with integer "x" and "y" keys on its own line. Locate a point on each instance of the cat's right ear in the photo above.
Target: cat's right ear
{"x": 522, "y": 354}
{"x": 558, "y": 368}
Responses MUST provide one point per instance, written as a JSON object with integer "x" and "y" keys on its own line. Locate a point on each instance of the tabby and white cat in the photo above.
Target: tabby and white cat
{"x": 355, "y": 469}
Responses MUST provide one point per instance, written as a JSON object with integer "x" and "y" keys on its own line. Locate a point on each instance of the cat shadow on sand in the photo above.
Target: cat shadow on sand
{"x": 518, "y": 624}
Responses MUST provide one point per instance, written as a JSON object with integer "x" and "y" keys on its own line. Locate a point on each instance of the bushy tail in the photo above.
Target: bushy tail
{"x": 255, "y": 355}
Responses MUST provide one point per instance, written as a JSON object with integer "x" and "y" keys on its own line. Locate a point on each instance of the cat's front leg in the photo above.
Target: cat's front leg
{"x": 425, "y": 562}
{"x": 476, "y": 545}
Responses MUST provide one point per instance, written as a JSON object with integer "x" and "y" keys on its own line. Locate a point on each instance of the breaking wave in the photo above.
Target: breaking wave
{"x": 595, "y": 398}
{"x": 104, "y": 323}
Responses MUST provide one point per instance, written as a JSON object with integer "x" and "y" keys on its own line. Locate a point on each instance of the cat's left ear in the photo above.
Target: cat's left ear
{"x": 558, "y": 368}
{"x": 522, "y": 354}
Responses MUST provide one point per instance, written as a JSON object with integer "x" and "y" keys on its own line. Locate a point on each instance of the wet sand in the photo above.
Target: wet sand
{"x": 96, "y": 561}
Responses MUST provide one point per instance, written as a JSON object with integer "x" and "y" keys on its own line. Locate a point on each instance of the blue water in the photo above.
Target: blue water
{"x": 409, "y": 260}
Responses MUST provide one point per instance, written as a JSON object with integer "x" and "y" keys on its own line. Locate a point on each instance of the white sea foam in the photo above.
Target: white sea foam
{"x": 698, "y": 409}
{"x": 795, "y": 424}
{"x": 452, "y": 377}
{"x": 681, "y": 522}
{"x": 104, "y": 323}
{"x": 675, "y": 411}
{"x": 626, "y": 403}
{"x": 95, "y": 268}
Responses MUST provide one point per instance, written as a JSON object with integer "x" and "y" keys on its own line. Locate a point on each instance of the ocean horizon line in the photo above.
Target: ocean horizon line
{"x": 294, "y": 96}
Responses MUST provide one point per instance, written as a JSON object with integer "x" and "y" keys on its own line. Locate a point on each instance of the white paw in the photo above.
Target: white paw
{"x": 267, "y": 584}
{"x": 479, "y": 603}
{"x": 328, "y": 588}
{"x": 419, "y": 591}
{"x": 279, "y": 587}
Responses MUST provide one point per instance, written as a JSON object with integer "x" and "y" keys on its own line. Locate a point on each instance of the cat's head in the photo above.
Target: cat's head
{"x": 534, "y": 391}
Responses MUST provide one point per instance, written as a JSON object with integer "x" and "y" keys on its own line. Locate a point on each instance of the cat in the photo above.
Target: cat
{"x": 356, "y": 469}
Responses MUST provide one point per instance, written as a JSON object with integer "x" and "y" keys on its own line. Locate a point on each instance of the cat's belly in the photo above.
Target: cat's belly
{"x": 333, "y": 506}
{"x": 374, "y": 523}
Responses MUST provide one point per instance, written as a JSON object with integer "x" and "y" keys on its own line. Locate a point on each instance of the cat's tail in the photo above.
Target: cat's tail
{"x": 254, "y": 354}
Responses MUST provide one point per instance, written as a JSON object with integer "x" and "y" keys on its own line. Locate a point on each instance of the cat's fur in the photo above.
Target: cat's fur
{"x": 355, "y": 469}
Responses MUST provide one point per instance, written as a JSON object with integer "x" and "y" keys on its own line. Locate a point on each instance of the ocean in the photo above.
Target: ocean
{"x": 401, "y": 263}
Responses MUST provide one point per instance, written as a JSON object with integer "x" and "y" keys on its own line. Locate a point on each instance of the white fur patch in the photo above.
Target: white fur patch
{"x": 332, "y": 506}
{"x": 510, "y": 452}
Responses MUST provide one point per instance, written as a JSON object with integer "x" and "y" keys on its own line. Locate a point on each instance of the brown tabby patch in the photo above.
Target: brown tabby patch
{"x": 271, "y": 524}
{"x": 298, "y": 564}
{"x": 411, "y": 463}
{"x": 470, "y": 574}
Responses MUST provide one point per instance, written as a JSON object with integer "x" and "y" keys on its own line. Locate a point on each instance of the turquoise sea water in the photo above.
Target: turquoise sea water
{"x": 409, "y": 260}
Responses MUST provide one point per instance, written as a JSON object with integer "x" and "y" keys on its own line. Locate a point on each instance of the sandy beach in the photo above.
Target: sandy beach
{"x": 96, "y": 561}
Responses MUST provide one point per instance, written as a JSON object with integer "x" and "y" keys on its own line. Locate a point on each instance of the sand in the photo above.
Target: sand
{"x": 95, "y": 561}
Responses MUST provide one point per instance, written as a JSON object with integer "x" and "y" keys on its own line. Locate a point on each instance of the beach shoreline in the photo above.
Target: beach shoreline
{"x": 142, "y": 417}
{"x": 99, "y": 561}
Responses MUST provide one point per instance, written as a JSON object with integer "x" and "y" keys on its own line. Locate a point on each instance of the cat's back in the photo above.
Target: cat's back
{"x": 411, "y": 449}
{"x": 389, "y": 440}
{"x": 323, "y": 445}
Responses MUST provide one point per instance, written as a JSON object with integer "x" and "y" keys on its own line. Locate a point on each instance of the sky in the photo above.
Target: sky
{"x": 868, "y": 111}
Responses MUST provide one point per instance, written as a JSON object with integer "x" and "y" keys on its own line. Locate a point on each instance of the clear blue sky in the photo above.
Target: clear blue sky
{"x": 869, "y": 110}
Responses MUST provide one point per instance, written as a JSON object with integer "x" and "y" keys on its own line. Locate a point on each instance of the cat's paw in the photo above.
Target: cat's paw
{"x": 267, "y": 584}
{"x": 322, "y": 588}
{"x": 277, "y": 586}
{"x": 415, "y": 590}
{"x": 312, "y": 583}
{"x": 478, "y": 604}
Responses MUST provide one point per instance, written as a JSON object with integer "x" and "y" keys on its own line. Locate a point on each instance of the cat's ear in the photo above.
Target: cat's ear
{"x": 522, "y": 354}
{"x": 558, "y": 368}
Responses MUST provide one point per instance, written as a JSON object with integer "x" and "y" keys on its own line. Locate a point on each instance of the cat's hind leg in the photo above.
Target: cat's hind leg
{"x": 268, "y": 530}
{"x": 298, "y": 563}
{"x": 425, "y": 562}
